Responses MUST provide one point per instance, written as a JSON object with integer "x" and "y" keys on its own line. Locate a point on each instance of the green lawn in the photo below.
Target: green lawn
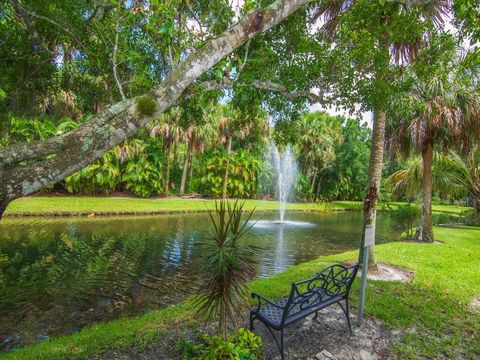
{"x": 433, "y": 309}
{"x": 85, "y": 205}
{"x": 76, "y": 205}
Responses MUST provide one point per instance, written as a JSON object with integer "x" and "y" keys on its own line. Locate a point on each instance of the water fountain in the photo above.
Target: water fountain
{"x": 286, "y": 170}
{"x": 284, "y": 166}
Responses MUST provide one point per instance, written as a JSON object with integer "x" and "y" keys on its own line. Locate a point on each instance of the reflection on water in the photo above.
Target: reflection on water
{"x": 58, "y": 275}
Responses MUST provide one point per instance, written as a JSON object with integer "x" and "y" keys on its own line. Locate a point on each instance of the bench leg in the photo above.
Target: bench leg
{"x": 252, "y": 319}
{"x": 282, "y": 355}
{"x": 316, "y": 315}
{"x": 347, "y": 313}
{"x": 348, "y": 316}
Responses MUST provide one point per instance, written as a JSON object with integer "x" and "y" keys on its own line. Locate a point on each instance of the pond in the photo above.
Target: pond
{"x": 58, "y": 275}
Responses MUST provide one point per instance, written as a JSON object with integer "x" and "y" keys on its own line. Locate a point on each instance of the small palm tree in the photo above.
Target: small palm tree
{"x": 451, "y": 174}
{"x": 229, "y": 265}
{"x": 167, "y": 127}
{"x": 409, "y": 181}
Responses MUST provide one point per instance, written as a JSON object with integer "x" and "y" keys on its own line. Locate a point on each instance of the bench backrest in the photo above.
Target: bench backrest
{"x": 333, "y": 281}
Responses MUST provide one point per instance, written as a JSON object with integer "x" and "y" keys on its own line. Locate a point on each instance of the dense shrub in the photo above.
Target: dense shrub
{"x": 243, "y": 173}
{"x": 405, "y": 218}
{"x": 241, "y": 345}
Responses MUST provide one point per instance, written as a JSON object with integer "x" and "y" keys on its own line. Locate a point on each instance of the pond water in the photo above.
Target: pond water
{"x": 60, "y": 274}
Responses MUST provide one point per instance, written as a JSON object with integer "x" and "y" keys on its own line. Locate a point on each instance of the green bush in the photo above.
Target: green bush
{"x": 405, "y": 218}
{"x": 471, "y": 218}
{"x": 243, "y": 170}
{"x": 241, "y": 345}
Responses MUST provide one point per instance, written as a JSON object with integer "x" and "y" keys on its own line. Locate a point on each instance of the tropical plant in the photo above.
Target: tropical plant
{"x": 243, "y": 169}
{"x": 168, "y": 128}
{"x": 143, "y": 174}
{"x": 228, "y": 264}
{"x": 405, "y": 218}
{"x": 443, "y": 110}
{"x": 240, "y": 345}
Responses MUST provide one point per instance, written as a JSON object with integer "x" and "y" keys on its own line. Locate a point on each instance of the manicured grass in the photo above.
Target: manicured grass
{"x": 85, "y": 205}
{"x": 433, "y": 309}
{"x": 76, "y": 205}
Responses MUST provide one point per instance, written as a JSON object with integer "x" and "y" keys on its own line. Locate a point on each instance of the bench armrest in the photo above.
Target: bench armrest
{"x": 261, "y": 298}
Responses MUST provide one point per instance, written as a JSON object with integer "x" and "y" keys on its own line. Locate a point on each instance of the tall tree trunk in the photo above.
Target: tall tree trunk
{"x": 3, "y": 207}
{"x": 190, "y": 175}
{"x": 313, "y": 181}
{"x": 319, "y": 186}
{"x": 225, "y": 177}
{"x": 476, "y": 205}
{"x": 167, "y": 171}
{"x": 185, "y": 170}
{"x": 427, "y": 229}
{"x": 373, "y": 183}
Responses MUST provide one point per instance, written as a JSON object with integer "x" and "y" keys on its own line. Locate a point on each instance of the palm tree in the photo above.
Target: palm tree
{"x": 196, "y": 137}
{"x": 451, "y": 174}
{"x": 401, "y": 51}
{"x": 444, "y": 111}
{"x": 167, "y": 126}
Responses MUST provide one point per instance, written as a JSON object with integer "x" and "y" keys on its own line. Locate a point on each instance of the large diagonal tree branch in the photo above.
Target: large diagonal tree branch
{"x": 74, "y": 150}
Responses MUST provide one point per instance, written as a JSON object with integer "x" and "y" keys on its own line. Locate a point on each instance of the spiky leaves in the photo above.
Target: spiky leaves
{"x": 228, "y": 264}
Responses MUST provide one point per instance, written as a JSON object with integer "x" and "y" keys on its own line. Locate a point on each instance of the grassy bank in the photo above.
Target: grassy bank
{"x": 433, "y": 309}
{"x": 84, "y": 205}
{"x": 76, "y": 205}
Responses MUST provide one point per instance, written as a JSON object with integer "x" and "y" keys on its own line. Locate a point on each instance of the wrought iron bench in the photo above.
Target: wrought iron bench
{"x": 330, "y": 286}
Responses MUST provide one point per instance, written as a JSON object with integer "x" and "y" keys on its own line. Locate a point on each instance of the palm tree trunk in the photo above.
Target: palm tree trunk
{"x": 373, "y": 183}
{"x": 185, "y": 170}
{"x": 313, "y": 181}
{"x": 167, "y": 171}
{"x": 3, "y": 206}
{"x": 190, "y": 175}
{"x": 225, "y": 177}
{"x": 476, "y": 205}
{"x": 427, "y": 157}
{"x": 319, "y": 186}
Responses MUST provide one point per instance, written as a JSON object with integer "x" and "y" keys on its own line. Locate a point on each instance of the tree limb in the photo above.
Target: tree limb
{"x": 74, "y": 150}
{"x": 263, "y": 85}
{"x": 114, "y": 57}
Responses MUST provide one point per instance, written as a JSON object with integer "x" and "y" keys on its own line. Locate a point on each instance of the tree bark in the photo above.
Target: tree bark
{"x": 167, "y": 171}
{"x": 3, "y": 207}
{"x": 185, "y": 170}
{"x": 427, "y": 228}
{"x": 74, "y": 150}
{"x": 225, "y": 176}
{"x": 373, "y": 182}
{"x": 476, "y": 205}
{"x": 190, "y": 175}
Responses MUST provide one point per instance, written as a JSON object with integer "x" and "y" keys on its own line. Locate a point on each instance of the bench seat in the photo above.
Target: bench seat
{"x": 328, "y": 287}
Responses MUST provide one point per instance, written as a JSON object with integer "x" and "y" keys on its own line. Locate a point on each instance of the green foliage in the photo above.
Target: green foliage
{"x": 103, "y": 175}
{"x": 146, "y": 105}
{"x": 229, "y": 265}
{"x": 240, "y": 345}
{"x": 143, "y": 175}
{"x": 405, "y": 218}
{"x": 243, "y": 174}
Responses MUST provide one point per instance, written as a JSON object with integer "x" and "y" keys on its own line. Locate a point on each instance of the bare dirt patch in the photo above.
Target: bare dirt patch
{"x": 329, "y": 332}
{"x": 475, "y": 304}
{"x": 389, "y": 272}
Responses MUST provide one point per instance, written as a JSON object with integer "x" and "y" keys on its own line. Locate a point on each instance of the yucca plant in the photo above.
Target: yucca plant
{"x": 228, "y": 263}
